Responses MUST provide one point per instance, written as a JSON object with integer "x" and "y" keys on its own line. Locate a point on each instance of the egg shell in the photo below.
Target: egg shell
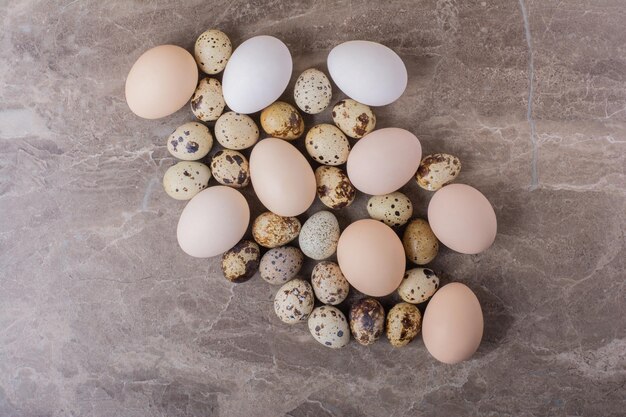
{"x": 368, "y": 72}
{"x": 329, "y": 284}
{"x": 241, "y": 262}
{"x": 207, "y": 103}
{"x": 418, "y": 285}
{"x": 393, "y": 209}
{"x": 319, "y": 235}
{"x": 312, "y": 92}
{"x": 213, "y": 222}
{"x": 212, "y": 50}
{"x": 367, "y": 321}
{"x": 371, "y": 257}
{"x": 257, "y": 73}
{"x": 384, "y": 160}
{"x": 334, "y": 189}
{"x": 190, "y": 142}
{"x": 161, "y": 81}
{"x": 271, "y": 230}
{"x": 230, "y": 168}
{"x": 236, "y": 131}
{"x": 294, "y": 301}
{"x": 404, "y": 322}
{"x": 282, "y": 177}
{"x": 280, "y": 265}
{"x": 463, "y": 219}
{"x": 327, "y": 145}
{"x": 185, "y": 179}
{"x": 420, "y": 243}
{"x": 329, "y": 327}
{"x": 282, "y": 120}
{"x": 437, "y": 170}
{"x": 453, "y": 324}
{"x": 353, "y": 118}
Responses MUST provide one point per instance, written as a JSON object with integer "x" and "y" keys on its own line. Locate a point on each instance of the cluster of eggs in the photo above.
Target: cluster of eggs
{"x": 370, "y": 255}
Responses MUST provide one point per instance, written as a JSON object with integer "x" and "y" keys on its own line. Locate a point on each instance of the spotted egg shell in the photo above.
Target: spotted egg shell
{"x": 327, "y": 144}
{"x": 353, "y": 118}
{"x": 334, "y": 189}
{"x": 207, "y": 102}
{"x": 230, "y": 168}
{"x": 212, "y": 50}
{"x": 241, "y": 262}
{"x": 190, "y": 142}
{"x": 437, "y": 170}
{"x": 186, "y": 179}
{"x": 294, "y": 301}
{"x": 282, "y": 120}
{"x": 329, "y": 327}
{"x": 271, "y": 230}
{"x": 312, "y": 92}
{"x": 404, "y": 322}
{"x": 393, "y": 209}
{"x": 420, "y": 243}
{"x": 329, "y": 284}
{"x": 236, "y": 131}
{"x": 319, "y": 235}
{"x": 367, "y": 320}
{"x": 279, "y": 265}
{"x": 418, "y": 285}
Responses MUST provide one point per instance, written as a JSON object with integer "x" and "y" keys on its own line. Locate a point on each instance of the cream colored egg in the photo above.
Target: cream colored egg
{"x": 353, "y": 118}
{"x": 294, "y": 301}
{"x": 207, "y": 103}
{"x": 329, "y": 284}
{"x": 418, "y": 285}
{"x": 334, "y": 188}
{"x": 327, "y": 145}
{"x": 312, "y": 92}
{"x": 241, "y": 262}
{"x": 437, "y": 170}
{"x": 329, "y": 327}
{"x": 420, "y": 243}
{"x": 212, "y": 51}
{"x": 319, "y": 235}
{"x": 190, "y": 142}
{"x": 186, "y": 179}
{"x": 236, "y": 131}
{"x": 393, "y": 209}
{"x": 282, "y": 120}
{"x": 279, "y": 265}
{"x": 404, "y": 322}
{"x": 230, "y": 168}
{"x": 271, "y": 230}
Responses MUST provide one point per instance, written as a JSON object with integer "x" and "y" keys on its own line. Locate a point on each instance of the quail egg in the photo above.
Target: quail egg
{"x": 334, "y": 188}
{"x": 212, "y": 51}
{"x": 294, "y": 301}
{"x": 190, "y": 142}
{"x": 236, "y": 131}
{"x": 329, "y": 327}
{"x": 393, "y": 209}
{"x": 329, "y": 284}
{"x": 279, "y": 265}
{"x": 271, "y": 230}
{"x": 282, "y": 120}
{"x": 353, "y": 118}
{"x": 437, "y": 170}
{"x": 319, "y": 235}
{"x": 418, "y": 285}
{"x": 367, "y": 320}
{"x": 207, "y": 103}
{"x": 404, "y": 322}
{"x": 327, "y": 145}
{"x": 230, "y": 168}
{"x": 312, "y": 91}
{"x": 420, "y": 243}
{"x": 186, "y": 179}
{"x": 241, "y": 262}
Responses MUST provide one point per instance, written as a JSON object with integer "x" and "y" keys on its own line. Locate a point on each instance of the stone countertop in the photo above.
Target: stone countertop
{"x": 101, "y": 314}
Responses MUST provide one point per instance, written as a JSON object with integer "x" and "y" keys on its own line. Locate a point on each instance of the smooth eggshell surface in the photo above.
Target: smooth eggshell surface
{"x": 282, "y": 177}
{"x": 453, "y": 324}
{"x": 462, "y": 219}
{"x": 371, "y": 257}
{"x": 256, "y": 74}
{"x": 213, "y": 222}
{"x": 384, "y": 160}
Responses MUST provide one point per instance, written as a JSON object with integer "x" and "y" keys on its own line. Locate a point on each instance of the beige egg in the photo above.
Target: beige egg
{"x": 241, "y": 262}
{"x": 271, "y": 230}
{"x": 333, "y": 187}
{"x": 186, "y": 179}
{"x": 190, "y": 142}
{"x": 353, "y": 118}
{"x": 282, "y": 120}
{"x": 207, "y": 103}
{"x": 312, "y": 92}
{"x": 294, "y": 301}
{"x": 418, "y": 285}
{"x": 212, "y": 51}
{"x": 437, "y": 170}
{"x": 230, "y": 168}
{"x": 367, "y": 320}
{"x": 420, "y": 243}
{"x": 236, "y": 131}
{"x": 329, "y": 284}
{"x": 319, "y": 235}
{"x": 280, "y": 265}
{"x": 327, "y": 145}
{"x": 329, "y": 327}
{"x": 393, "y": 209}
{"x": 404, "y": 322}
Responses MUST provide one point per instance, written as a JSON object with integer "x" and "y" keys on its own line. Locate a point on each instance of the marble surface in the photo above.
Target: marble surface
{"x": 102, "y": 315}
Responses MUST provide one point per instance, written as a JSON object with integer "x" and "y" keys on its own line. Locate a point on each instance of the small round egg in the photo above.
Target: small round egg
{"x": 294, "y": 301}
{"x": 404, "y": 322}
{"x": 271, "y": 230}
{"x": 241, "y": 262}
{"x": 207, "y": 102}
{"x": 319, "y": 235}
{"x": 282, "y": 120}
{"x": 236, "y": 131}
{"x": 334, "y": 189}
{"x": 329, "y": 327}
{"x": 190, "y": 142}
{"x": 230, "y": 168}
{"x": 437, "y": 170}
{"x": 312, "y": 92}
{"x": 186, "y": 179}
{"x": 280, "y": 265}
{"x": 327, "y": 145}
{"x": 353, "y": 118}
{"x": 393, "y": 209}
{"x": 420, "y": 243}
{"x": 212, "y": 50}
{"x": 367, "y": 320}
{"x": 418, "y": 285}
{"x": 329, "y": 284}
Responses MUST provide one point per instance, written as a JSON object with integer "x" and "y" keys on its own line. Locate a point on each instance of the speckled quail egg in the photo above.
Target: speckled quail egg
{"x": 186, "y": 179}
{"x": 329, "y": 284}
{"x": 271, "y": 230}
{"x": 282, "y": 120}
{"x": 327, "y": 144}
{"x": 329, "y": 326}
{"x": 353, "y": 118}
{"x": 241, "y": 262}
{"x": 437, "y": 170}
{"x": 294, "y": 301}
{"x": 190, "y": 142}
{"x": 279, "y": 265}
{"x": 236, "y": 131}
{"x": 212, "y": 51}
{"x": 418, "y": 285}
{"x": 207, "y": 102}
{"x": 404, "y": 322}
{"x": 393, "y": 209}
{"x": 420, "y": 244}
{"x": 367, "y": 320}
{"x": 312, "y": 92}
{"x": 230, "y": 168}
{"x": 319, "y": 235}
{"x": 334, "y": 188}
